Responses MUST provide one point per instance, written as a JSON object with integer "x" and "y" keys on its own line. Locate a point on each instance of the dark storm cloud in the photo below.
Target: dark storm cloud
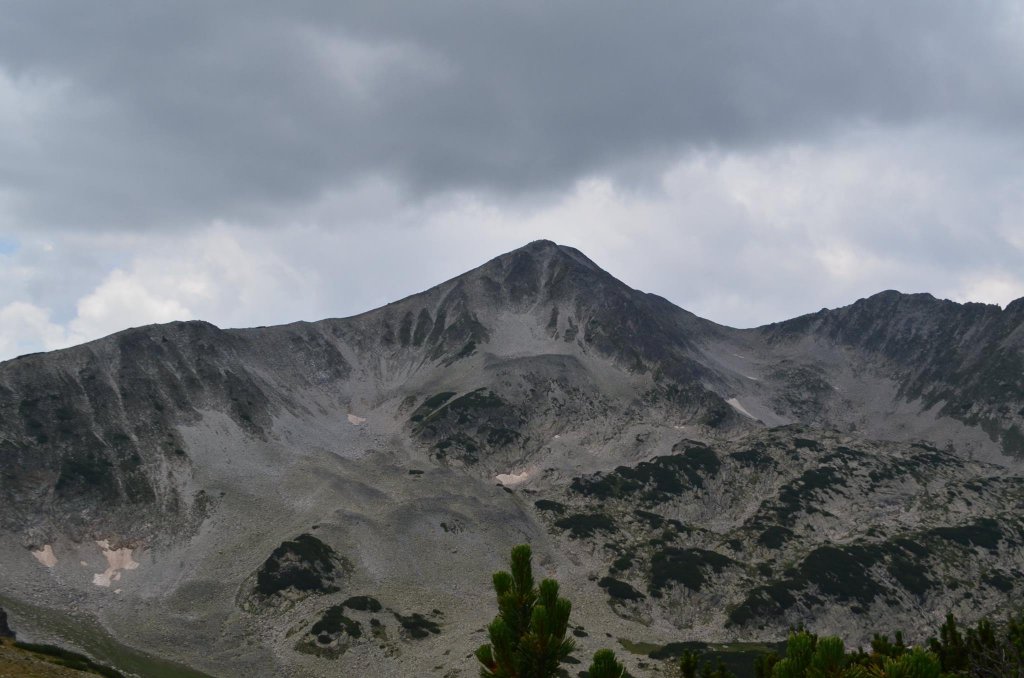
{"x": 153, "y": 115}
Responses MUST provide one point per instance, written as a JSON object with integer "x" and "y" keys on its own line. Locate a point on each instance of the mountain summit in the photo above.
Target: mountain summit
{"x": 683, "y": 478}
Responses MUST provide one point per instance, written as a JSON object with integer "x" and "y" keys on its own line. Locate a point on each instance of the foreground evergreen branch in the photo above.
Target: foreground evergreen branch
{"x": 689, "y": 662}
{"x": 606, "y": 666}
{"x": 528, "y": 635}
{"x": 985, "y": 651}
{"x": 808, "y": 656}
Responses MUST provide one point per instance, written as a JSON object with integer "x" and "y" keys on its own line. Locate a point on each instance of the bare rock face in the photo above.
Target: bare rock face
{"x": 853, "y": 470}
{"x": 92, "y": 431}
{"x": 965, "y": 360}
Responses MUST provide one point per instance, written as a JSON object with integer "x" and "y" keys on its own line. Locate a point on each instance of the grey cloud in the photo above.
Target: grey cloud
{"x": 177, "y": 113}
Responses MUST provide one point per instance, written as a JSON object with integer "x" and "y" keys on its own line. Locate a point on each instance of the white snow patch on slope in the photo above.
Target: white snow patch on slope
{"x": 513, "y": 478}
{"x": 45, "y": 556}
{"x": 739, "y": 408}
{"x": 356, "y": 421}
{"x": 117, "y": 561}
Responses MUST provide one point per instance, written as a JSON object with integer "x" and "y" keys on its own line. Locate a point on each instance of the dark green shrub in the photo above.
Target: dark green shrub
{"x": 528, "y": 637}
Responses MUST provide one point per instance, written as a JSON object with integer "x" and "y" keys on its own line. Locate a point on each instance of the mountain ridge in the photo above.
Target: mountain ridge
{"x": 421, "y": 439}
{"x": 1015, "y": 308}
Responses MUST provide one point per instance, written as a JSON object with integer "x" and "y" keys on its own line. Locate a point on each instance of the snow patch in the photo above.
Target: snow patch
{"x": 118, "y": 560}
{"x": 356, "y": 421}
{"x": 513, "y": 478}
{"x": 45, "y": 556}
{"x": 739, "y": 408}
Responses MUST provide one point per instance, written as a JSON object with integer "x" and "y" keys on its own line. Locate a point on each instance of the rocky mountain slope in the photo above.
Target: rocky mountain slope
{"x": 321, "y": 498}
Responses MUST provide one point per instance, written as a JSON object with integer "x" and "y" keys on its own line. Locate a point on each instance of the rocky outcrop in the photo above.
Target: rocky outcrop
{"x": 297, "y": 569}
{"x": 794, "y": 525}
{"x": 5, "y": 629}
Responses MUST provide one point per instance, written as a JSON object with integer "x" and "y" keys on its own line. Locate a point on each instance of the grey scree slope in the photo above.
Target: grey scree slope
{"x": 330, "y": 498}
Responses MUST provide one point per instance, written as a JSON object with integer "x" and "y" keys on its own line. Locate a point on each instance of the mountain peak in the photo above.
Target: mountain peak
{"x": 546, "y": 250}
{"x": 542, "y": 245}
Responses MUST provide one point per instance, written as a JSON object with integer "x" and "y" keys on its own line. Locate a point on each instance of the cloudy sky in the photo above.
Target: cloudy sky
{"x": 251, "y": 163}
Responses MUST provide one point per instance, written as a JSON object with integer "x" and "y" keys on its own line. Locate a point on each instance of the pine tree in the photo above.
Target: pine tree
{"x": 764, "y": 664}
{"x": 528, "y": 635}
{"x": 828, "y": 659}
{"x": 808, "y": 656}
{"x": 722, "y": 672}
{"x": 915, "y": 663}
{"x": 996, "y": 652}
{"x": 882, "y": 646}
{"x": 799, "y": 651}
{"x": 605, "y": 666}
{"x": 950, "y": 647}
{"x": 688, "y": 664}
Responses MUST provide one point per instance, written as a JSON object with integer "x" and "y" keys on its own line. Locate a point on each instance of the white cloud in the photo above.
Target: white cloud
{"x": 124, "y": 300}
{"x": 999, "y": 288}
{"x": 25, "y": 328}
{"x": 225, "y": 274}
{"x": 739, "y": 238}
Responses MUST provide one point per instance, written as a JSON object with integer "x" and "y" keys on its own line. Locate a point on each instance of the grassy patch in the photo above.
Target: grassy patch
{"x": 459, "y": 446}
{"x": 430, "y": 404}
{"x": 737, "y": 657}
{"x": 842, "y": 573}
{"x": 775, "y": 537}
{"x": 418, "y": 626}
{"x": 363, "y": 604}
{"x": 998, "y": 581}
{"x": 92, "y": 638}
{"x": 619, "y": 590}
{"x": 69, "y": 659}
{"x": 500, "y": 436}
{"x": 640, "y": 647}
{"x": 657, "y": 480}
{"x": 983, "y": 532}
{"x": 800, "y": 496}
{"x": 653, "y": 520}
{"x": 687, "y": 566}
{"x": 550, "y": 506}
{"x": 754, "y": 458}
{"x": 586, "y": 524}
{"x": 334, "y": 622}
